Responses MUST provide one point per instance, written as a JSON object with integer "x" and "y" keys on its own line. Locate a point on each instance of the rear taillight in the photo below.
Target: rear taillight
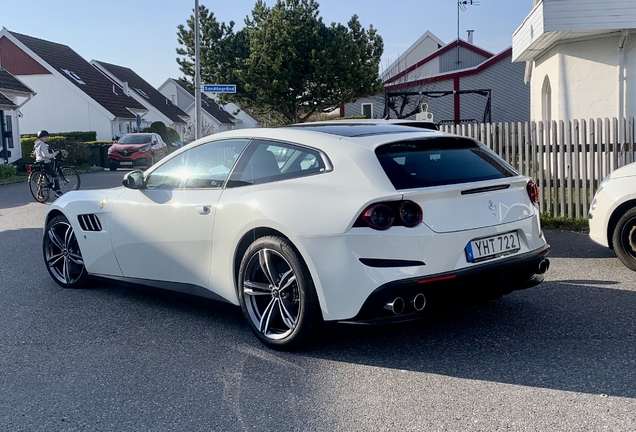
{"x": 410, "y": 214}
{"x": 29, "y": 168}
{"x": 378, "y": 216}
{"x": 533, "y": 192}
{"x": 382, "y": 216}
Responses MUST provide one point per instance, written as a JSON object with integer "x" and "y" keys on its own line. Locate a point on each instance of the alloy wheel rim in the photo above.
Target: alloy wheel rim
{"x": 62, "y": 253}
{"x": 271, "y": 294}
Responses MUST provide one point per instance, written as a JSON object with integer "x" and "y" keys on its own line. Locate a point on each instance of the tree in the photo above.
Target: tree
{"x": 285, "y": 59}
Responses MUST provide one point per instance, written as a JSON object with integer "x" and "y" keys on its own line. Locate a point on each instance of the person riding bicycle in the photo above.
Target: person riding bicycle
{"x": 44, "y": 155}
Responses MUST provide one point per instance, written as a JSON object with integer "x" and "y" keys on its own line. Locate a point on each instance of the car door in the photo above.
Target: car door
{"x": 163, "y": 232}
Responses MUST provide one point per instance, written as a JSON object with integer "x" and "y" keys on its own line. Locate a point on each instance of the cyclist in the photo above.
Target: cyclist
{"x": 44, "y": 155}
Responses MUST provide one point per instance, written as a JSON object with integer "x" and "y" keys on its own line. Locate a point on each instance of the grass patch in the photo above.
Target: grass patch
{"x": 550, "y": 222}
{"x": 13, "y": 179}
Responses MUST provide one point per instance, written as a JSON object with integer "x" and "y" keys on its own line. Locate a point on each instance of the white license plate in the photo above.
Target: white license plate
{"x": 125, "y": 163}
{"x": 492, "y": 247}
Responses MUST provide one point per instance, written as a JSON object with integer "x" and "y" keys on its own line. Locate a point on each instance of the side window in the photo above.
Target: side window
{"x": 204, "y": 166}
{"x": 274, "y": 161}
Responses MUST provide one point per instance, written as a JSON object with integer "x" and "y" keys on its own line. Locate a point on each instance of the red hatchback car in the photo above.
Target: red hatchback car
{"x": 135, "y": 149}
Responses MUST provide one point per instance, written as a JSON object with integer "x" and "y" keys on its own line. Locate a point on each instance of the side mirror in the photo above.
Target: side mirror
{"x": 134, "y": 180}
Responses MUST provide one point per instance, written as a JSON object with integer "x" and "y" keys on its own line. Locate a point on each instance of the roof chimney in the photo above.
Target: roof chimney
{"x": 470, "y": 36}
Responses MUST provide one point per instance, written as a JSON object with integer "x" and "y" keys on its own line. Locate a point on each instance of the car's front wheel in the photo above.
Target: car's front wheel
{"x": 277, "y": 294}
{"x": 624, "y": 239}
{"x": 62, "y": 254}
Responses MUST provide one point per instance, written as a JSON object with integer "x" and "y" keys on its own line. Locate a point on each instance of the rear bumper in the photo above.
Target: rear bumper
{"x": 497, "y": 278}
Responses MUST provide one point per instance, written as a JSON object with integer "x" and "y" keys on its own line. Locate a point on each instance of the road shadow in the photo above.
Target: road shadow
{"x": 568, "y": 335}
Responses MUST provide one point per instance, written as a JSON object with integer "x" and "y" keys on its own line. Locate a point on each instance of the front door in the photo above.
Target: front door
{"x": 163, "y": 232}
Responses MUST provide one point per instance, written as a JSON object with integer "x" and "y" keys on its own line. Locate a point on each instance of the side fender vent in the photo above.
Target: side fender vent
{"x": 89, "y": 222}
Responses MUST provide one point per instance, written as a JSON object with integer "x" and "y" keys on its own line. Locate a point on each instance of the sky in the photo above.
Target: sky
{"x": 141, "y": 34}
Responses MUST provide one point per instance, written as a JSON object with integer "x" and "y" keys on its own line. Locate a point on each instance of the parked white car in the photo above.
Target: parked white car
{"x": 311, "y": 223}
{"x": 612, "y": 215}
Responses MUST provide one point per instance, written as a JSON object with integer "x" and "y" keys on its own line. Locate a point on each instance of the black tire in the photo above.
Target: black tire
{"x": 624, "y": 239}
{"x": 38, "y": 184}
{"x": 112, "y": 167}
{"x": 69, "y": 179}
{"x": 62, "y": 255}
{"x": 277, "y": 295}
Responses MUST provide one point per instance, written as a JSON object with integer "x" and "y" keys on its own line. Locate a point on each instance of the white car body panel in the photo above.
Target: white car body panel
{"x": 165, "y": 234}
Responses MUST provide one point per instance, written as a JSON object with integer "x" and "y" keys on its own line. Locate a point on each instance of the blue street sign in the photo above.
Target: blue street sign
{"x": 138, "y": 119}
{"x": 219, "y": 88}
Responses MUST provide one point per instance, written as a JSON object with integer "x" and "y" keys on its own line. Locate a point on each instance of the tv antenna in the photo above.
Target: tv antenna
{"x": 462, "y": 6}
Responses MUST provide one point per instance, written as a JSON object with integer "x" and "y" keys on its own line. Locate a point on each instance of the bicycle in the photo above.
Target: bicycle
{"x": 40, "y": 183}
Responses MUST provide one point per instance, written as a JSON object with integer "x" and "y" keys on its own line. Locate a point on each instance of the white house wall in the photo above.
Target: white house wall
{"x": 246, "y": 120}
{"x": 57, "y": 108}
{"x": 630, "y": 84}
{"x": 14, "y": 144}
{"x": 584, "y": 79}
{"x": 176, "y": 94}
{"x": 424, "y": 49}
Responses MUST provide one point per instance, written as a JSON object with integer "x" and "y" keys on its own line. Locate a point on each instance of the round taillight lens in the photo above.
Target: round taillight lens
{"x": 411, "y": 214}
{"x": 379, "y": 217}
{"x": 533, "y": 192}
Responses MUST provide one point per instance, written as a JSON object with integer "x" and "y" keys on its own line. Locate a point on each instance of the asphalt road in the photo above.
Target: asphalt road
{"x": 561, "y": 356}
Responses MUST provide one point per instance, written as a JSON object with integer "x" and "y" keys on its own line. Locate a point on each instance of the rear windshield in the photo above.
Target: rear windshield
{"x": 439, "y": 161}
{"x": 134, "y": 139}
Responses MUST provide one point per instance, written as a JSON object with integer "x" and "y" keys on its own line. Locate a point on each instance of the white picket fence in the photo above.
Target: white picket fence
{"x": 568, "y": 160}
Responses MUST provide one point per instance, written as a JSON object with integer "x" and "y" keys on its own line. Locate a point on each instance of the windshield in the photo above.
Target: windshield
{"x": 134, "y": 139}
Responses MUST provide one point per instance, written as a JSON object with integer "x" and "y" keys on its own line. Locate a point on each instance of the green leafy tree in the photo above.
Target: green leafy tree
{"x": 285, "y": 60}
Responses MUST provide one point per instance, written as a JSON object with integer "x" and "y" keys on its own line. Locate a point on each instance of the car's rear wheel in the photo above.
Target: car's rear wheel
{"x": 277, "y": 294}
{"x": 624, "y": 239}
{"x": 62, "y": 254}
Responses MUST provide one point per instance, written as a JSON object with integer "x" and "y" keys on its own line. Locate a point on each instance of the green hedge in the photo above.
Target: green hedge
{"x": 108, "y": 143}
{"x": 7, "y": 171}
{"x": 75, "y": 136}
{"x": 28, "y": 142}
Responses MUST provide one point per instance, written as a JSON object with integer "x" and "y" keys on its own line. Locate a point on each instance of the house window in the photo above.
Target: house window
{"x": 546, "y": 100}
{"x": 73, "y": 75}
{"x": 367, "y": 110}
{"x": 9, "y": 129}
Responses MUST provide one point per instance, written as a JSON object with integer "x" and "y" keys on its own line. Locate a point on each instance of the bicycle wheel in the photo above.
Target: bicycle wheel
{"x": 39, "y": 186}
{"x": 69, "y": 179}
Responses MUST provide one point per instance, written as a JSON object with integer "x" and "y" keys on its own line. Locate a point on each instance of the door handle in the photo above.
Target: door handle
{"x": 203, "y": 209}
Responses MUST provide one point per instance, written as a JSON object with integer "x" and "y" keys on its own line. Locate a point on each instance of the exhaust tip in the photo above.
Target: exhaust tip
{"x": 396, "y": 306}
{"x": 544, "y": 266}
{"x": 419, "y": 302}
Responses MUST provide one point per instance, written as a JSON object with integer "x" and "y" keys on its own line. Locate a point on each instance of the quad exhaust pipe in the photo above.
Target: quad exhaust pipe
{"x": 544, "y": 265}
{"x": 397, "y": 305}
{"x": 419, "y": 302}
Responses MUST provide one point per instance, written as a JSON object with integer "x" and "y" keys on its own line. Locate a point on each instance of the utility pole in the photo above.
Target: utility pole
{"x": 197, "y": 72}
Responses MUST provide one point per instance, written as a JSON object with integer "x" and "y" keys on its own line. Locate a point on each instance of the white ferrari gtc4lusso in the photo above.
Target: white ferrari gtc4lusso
{"x": 309, "y": 223}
